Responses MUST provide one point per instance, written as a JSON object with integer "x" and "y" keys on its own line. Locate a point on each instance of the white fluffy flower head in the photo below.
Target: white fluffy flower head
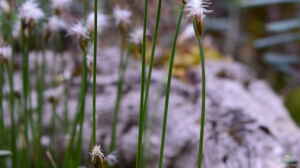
{"x": 136, "y": 36}
{"x": 198, "y": 8}
{"x": 6, "y": 51}
{"x": 4, "y": 6}
{"x": 122, "y": 16}
{"x": 97, "y": 153}
{"x": 56, "y": 24}
{"x": 79, "y": 31}
{"x": 102, "y": 21}
{"x": 30, "y": 11}
{"x": 60, "y": 4}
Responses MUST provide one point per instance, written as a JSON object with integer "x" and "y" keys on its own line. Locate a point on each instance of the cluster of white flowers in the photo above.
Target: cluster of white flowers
{"x": 102, "y": 21}
{"x": 197, "y": 8}
{"x": 121, "y": 16}
{"x": 56, "y": 24}
{"x": 60, "y": 4}
{"x": 136, "y": 36}
{"x": 79, "y": 31}
{"x": 30, "y": 11}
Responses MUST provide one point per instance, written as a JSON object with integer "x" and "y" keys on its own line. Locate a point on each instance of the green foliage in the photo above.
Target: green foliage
{"x": 293, "y": 104}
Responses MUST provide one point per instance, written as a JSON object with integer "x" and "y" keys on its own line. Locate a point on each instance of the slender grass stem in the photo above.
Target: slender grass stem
{"x": 25, "y": 79}
{"x": 122, "y": 70}
{"x": 140, "y": 146}
{"x": 149, "y": 75}
{"x": 40, "y": 108}
{"x": 10, "y": 73}
{"x": 94, "y": 139}
{"x": 168, "y": 88}
{"x": 2, "y": 126}
{"x": 83, "y": 93}
{"x": 203, "y": 100}
{"x": 66, "y": 106}
{"x": 79, "y": 118}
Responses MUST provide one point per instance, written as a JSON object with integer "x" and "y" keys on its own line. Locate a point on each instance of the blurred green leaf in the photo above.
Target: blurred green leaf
{"x": 293, "y": 104}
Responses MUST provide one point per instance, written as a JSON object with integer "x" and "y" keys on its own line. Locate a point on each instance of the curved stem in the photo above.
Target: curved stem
{"x": 168, "y": 89}
{"x": 203, "y": 99}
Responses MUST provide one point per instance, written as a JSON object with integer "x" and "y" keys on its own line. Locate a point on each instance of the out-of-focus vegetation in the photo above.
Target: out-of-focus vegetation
{"x": 263, "y": 34}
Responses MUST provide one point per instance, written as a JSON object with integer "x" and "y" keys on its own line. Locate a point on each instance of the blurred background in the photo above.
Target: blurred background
{"x": 264, "y": 35}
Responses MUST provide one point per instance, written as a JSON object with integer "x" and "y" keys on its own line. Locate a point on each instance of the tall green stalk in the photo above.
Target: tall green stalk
{"x": 2, "y": 79}
{"x": 168, "y": 89}
{"x": 40, "y": 108}
{"x": 140, "y": 146}
{"x": 25, "y": 80}
{"x": 79, "y": 118}
{"x": 122, "y": 70}
{"x": 94, "y": 140}
{"x": 13, "y": 137}
{"x": 83, "y": 93}
{"x": 149, "y": 75}
{"x": 203, "y": 99}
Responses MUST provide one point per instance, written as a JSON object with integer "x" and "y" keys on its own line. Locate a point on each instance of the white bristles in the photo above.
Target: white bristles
{"x": 79, "y": 31}
{"x": 4, "y": 6}
{"x": 56, "y": 24}
{"x": 121, "y": 16}
{"x": 102, "y": 22}
{"x": 30, "y": 11}
{"x": 97, "y": 153}
{"x": 60, "y": 4}
{"x": 6, "y": 51}
{"x": 136, "y": 36}
{"x": 197, "y": 8}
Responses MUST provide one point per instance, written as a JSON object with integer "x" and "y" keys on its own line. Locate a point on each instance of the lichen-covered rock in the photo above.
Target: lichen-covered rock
{"x": 246, "y": 125}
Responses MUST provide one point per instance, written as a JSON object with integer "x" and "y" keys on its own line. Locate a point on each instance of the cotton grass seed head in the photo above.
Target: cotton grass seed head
{"x": 97, "y": 155}
{"x": 121, "y": 16}
{"x": 55, "y": 24}
{"x": 5, "y": 54}
{"x": 79, "y": 31}
{"x": 102, "y": 22}
{"x": 136, "y": 36}
{"x": 60, "y": 4}
{"x": 197, "y": 8}
{"x": 30, "y": 12}
{"x": 4, "y": 6}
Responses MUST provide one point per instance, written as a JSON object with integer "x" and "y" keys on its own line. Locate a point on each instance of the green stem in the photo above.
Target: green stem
{"x": 40, "y": 108}
{"x": 25, "y": 78}
{"x": 139, "y": 159}
{"x": 12, "y": 115}
{"x": 2, "y": 127}
{"x": 122, "y": 70}
{"x": 203, "y": 99}
{"x": 168, "y": 89}
{"x": 82, "y": 103}
{"x": 66, "y": 107}
{"x": 94, "y": 140}
{"x": 79, "y": 118}
{"x": 149, "y": 75}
